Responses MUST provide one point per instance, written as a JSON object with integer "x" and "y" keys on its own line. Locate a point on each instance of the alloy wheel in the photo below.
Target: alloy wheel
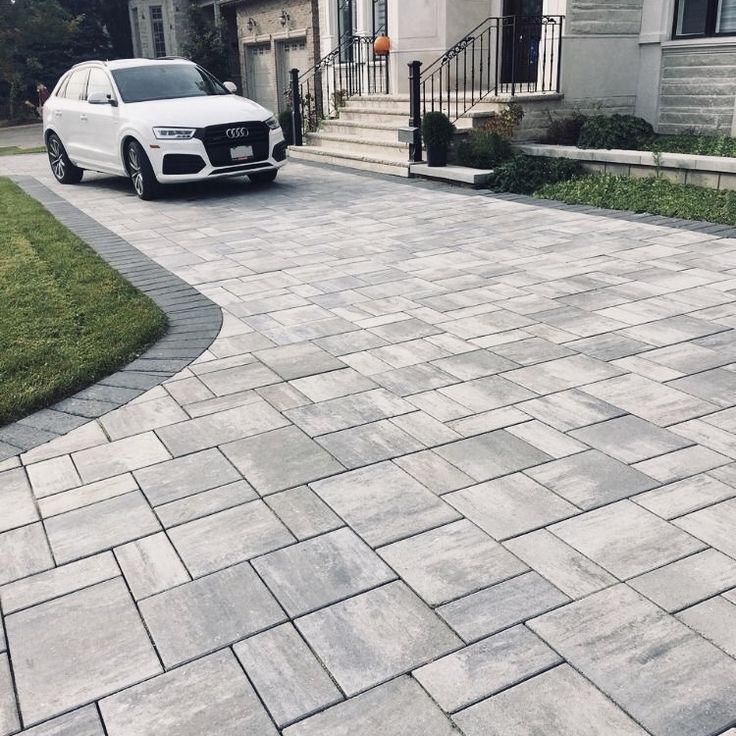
{"x": 56, "y": 154}
{"x": 136, "y": 171}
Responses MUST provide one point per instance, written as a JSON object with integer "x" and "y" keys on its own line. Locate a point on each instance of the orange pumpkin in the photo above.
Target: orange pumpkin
{"x": 382, "y": 45}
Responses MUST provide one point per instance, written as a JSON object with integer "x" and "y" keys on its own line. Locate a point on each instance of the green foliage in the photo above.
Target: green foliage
{"x": 526, "y": 174}
{"x": 66, "y": 318}
{"x": 703, "y": 145}
{"x": 616, "y": 131}
{"x": 654, "y": 195}
{"x": 437, "y": 130}
{"x": 205, "y": 43}
{"x": 483, "y": 150}
{"x": 505, "y": 122}
{"x": 565, "y": 131}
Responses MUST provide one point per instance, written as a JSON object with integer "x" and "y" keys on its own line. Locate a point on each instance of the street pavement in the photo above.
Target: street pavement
{"x": 22, "y": 136}
{"x": 454, "y": 464}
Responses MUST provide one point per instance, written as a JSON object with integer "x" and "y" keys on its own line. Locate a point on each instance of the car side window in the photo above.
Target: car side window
{"x": 62, "y": 87}
{"x": 77, "y": 85}
{"x": 98, "y": 82}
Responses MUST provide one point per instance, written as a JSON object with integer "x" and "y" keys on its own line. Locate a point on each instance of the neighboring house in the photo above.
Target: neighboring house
{"x": 158, "y": 27}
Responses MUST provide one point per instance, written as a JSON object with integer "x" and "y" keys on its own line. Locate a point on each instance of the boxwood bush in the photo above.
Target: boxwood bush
{"x": 616, "y": 131}
{"x": 483, "y": 150}
{"x": 526, "y": 174}
{"x": 565, "y": 131}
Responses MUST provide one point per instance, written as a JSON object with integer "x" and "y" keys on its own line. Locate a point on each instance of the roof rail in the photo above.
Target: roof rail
{"x": 172, "y": 58}
{"x": 90, "y": 61}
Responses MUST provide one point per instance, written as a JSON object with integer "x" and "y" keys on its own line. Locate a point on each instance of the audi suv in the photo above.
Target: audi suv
{"x": 157, "y": 122}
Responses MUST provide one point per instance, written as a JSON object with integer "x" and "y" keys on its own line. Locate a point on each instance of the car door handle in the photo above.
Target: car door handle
{"x": 83, "y": 117}
{"x": 57, "y": 113}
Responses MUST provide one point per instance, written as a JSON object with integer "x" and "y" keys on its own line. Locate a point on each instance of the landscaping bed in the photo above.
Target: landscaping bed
{"x": 66, "y": 318}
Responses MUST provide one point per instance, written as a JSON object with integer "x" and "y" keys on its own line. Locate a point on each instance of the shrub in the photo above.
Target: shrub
{"x": 565, "y": 131}
{"x": 526, "y": 174}
{"x": 483, "y": 150}
{"x": 616, "y": 131}
{"x": 285, "y": 122}
{"x": 704, "y": 145}
{"x": 504, "y": 123}
{"x": 437, "y": 130}
{"x": 654, "y": 195}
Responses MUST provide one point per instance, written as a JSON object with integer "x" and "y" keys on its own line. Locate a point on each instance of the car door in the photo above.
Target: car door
{"x": 66, "y": 117}
{"x": 99, "y": 123}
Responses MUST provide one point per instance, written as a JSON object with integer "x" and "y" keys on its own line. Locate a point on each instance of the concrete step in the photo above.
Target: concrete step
{"x": 372, "y": 131}
{"x": 358, "y": 145}
{"x": 381, "y": 165}
{"x": 377, "y": 115}
{"x": 490, "y": 103}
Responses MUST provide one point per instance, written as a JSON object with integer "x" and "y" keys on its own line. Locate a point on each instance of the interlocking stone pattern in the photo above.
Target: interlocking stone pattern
{"x": 454, "y": 464}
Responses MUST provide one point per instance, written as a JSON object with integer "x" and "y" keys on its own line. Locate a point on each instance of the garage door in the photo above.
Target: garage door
{"x": 261, "y": 82}
{"x": 292, "y": 55}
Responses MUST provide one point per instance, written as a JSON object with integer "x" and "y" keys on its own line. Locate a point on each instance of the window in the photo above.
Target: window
{"x": 98, "y": 82}
{"x": 76, "y": 86}
{"x": 702, "y": 18}
{"x": 158, "y": 32}
{"x": 380, "y": 24}
{"x": 346, "y": 17}
{"x": 165, "y": 82}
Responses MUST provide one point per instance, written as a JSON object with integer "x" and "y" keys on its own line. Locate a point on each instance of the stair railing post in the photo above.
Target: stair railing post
{"x": 415, "y": 109}
{"x": 296, "y": 110}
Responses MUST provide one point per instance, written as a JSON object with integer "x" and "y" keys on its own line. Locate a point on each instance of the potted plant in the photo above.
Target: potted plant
{"x": 437, "y": 132}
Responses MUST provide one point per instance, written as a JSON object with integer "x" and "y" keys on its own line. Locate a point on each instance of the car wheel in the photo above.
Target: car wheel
{"x": 263, "y": 177}
{"x": 63, "y": 169}
{"x": 141, "y": 172}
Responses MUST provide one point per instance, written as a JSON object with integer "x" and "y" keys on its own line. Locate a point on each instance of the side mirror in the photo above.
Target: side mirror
{"x": 100, "y": 98}
{"x": 231, "y": 87}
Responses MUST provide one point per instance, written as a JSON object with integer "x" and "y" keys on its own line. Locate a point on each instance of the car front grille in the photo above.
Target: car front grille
{"x": 218, "y": 143}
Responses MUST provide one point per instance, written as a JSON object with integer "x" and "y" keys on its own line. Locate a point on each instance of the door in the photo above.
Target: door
{"x": 67, "y": 111}
{"x": 522, "y": 34}
{"x": 292, "y": 55}
{"x": 100, "y": 124}
{"x": 261, "y": 75}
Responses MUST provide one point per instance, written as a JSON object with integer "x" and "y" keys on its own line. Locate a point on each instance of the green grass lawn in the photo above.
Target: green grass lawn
{"x": 66, "y": 318}
{"x": 13, "y": 150}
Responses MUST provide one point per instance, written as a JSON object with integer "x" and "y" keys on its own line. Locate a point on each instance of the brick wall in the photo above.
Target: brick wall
{"x": 594, "y": 17}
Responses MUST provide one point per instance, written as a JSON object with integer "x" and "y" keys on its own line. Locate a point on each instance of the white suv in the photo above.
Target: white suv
{"x": 159, "y": 121}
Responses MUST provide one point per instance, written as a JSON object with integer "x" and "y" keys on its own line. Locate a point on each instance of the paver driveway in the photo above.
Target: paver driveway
{"x": 453, "y": 464}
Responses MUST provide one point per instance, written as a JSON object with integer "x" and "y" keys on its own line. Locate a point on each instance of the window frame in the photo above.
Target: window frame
{"x": 154, "y": 23}
{"x": 711, "y": 21}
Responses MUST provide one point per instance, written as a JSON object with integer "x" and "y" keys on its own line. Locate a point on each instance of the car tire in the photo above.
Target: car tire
{"x": 263, "y": 177}
{"x": 62, "y": 168}
{"x": 139, "y": 168}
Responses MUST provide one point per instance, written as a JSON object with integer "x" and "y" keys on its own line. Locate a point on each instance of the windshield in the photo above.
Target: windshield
{"x": 165, "y": 82}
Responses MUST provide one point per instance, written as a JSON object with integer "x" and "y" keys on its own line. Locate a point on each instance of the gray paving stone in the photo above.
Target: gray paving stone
{"x": 383, "y": 504}
{"x": 211, "y": 695}
{"x": 511, "y": 505}
{"x": 57, "y": 582}
{"x": 591, "y": 479}
{"x": 630, "y": 439}
{"x": 533, "y": 350}
{"x": 303, "y": 512}
{"x": 239, "y": 378}
{"x": 684, "y": 496}
{"x": 501, "y": 606}
{"x": 369, "y": 443}
{"x": 297, "y": 361}
{"x": 114, "y": 458}
{"x": 87, "y": 494}
{"x": 570, "y": 410}
{"x": 24, "y": 551}
{"x": 476, "y": 364}
{"x": 281, "y": 459}
{"x": 687, "y": 581}
{"x": 321, "y": 571}
{"x": 150, "y": 565}
{"x": 16, "y": 500}
{"x": 434, "y": 472}
{"x": 333, "y": 384}
{"x": 100, "y": 526}
{"x": 9, "y": 721}
{"x": 184, "y": 476}
{"x": 491, "y": 455}
{"x": 667, "y": 677}
{"x": 715, "y": 619}
{"x": 205, "y": 503}
{"x": 562, "y": 374}
{"x": 348, "y": 411}
{"x": 234, "y": 535}
{"x": 682, "y": 463}
{"x": 289, "y": 678}
{"x": 484, "y": 394}
{"x": 73, "y": 650}
{"x": 209, "y": 613}
{"x": 414, "y": 379}
{"x": 221, "y": 427}
{"x": 484, "y": 668}
{"x": 52, "y": 476}
{"x": 574, "y": 574}
{"x": 140, "y": 417}
{"x": 425, "y": 428}
{"x": 82, "y": 722}
{"x": 556, "y": 702}
{"x": 449, "y": 562}
{"x": 376, "y": 636}
{"x": 625, "y": 539}
{"x": 400, "y": 707}
{"x": 546, "y": 438}
{"x": 718, "y": 386}
{"x": 714, "y": 525}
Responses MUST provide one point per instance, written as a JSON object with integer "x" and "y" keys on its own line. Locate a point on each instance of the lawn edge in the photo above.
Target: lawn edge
{"x": 194, "y": 321}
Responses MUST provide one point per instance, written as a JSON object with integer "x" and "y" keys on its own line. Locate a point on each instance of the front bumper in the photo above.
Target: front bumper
{"x": 193, "y": 160}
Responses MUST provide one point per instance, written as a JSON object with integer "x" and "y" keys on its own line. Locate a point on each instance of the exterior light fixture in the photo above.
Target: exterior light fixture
{"x": 251, "y": 24}
{"x": 284, "y": 17}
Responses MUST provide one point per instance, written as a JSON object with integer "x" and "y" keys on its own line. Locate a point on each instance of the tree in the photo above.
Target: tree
{"x": 205, "y": 43}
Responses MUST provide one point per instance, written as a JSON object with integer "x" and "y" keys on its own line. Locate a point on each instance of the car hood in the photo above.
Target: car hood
{"x": 199, "y": 112}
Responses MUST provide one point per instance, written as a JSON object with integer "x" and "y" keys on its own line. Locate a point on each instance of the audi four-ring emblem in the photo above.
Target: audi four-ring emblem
{"x": 237, "y": 132}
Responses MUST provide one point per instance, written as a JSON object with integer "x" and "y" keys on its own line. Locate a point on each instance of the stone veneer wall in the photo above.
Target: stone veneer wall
{"x": 595, "y": 17}
{"x": 175, "y": 25}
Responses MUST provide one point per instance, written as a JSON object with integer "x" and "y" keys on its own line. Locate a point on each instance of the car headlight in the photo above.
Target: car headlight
{"x": 174, "y": 134}
{"x": 273, "y": 123}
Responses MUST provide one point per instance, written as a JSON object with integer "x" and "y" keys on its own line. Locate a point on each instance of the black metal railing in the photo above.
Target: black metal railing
{"x": 351, "y": 68}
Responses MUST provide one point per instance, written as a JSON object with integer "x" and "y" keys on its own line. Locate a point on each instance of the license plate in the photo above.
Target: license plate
{"x": 241, "y": 153}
